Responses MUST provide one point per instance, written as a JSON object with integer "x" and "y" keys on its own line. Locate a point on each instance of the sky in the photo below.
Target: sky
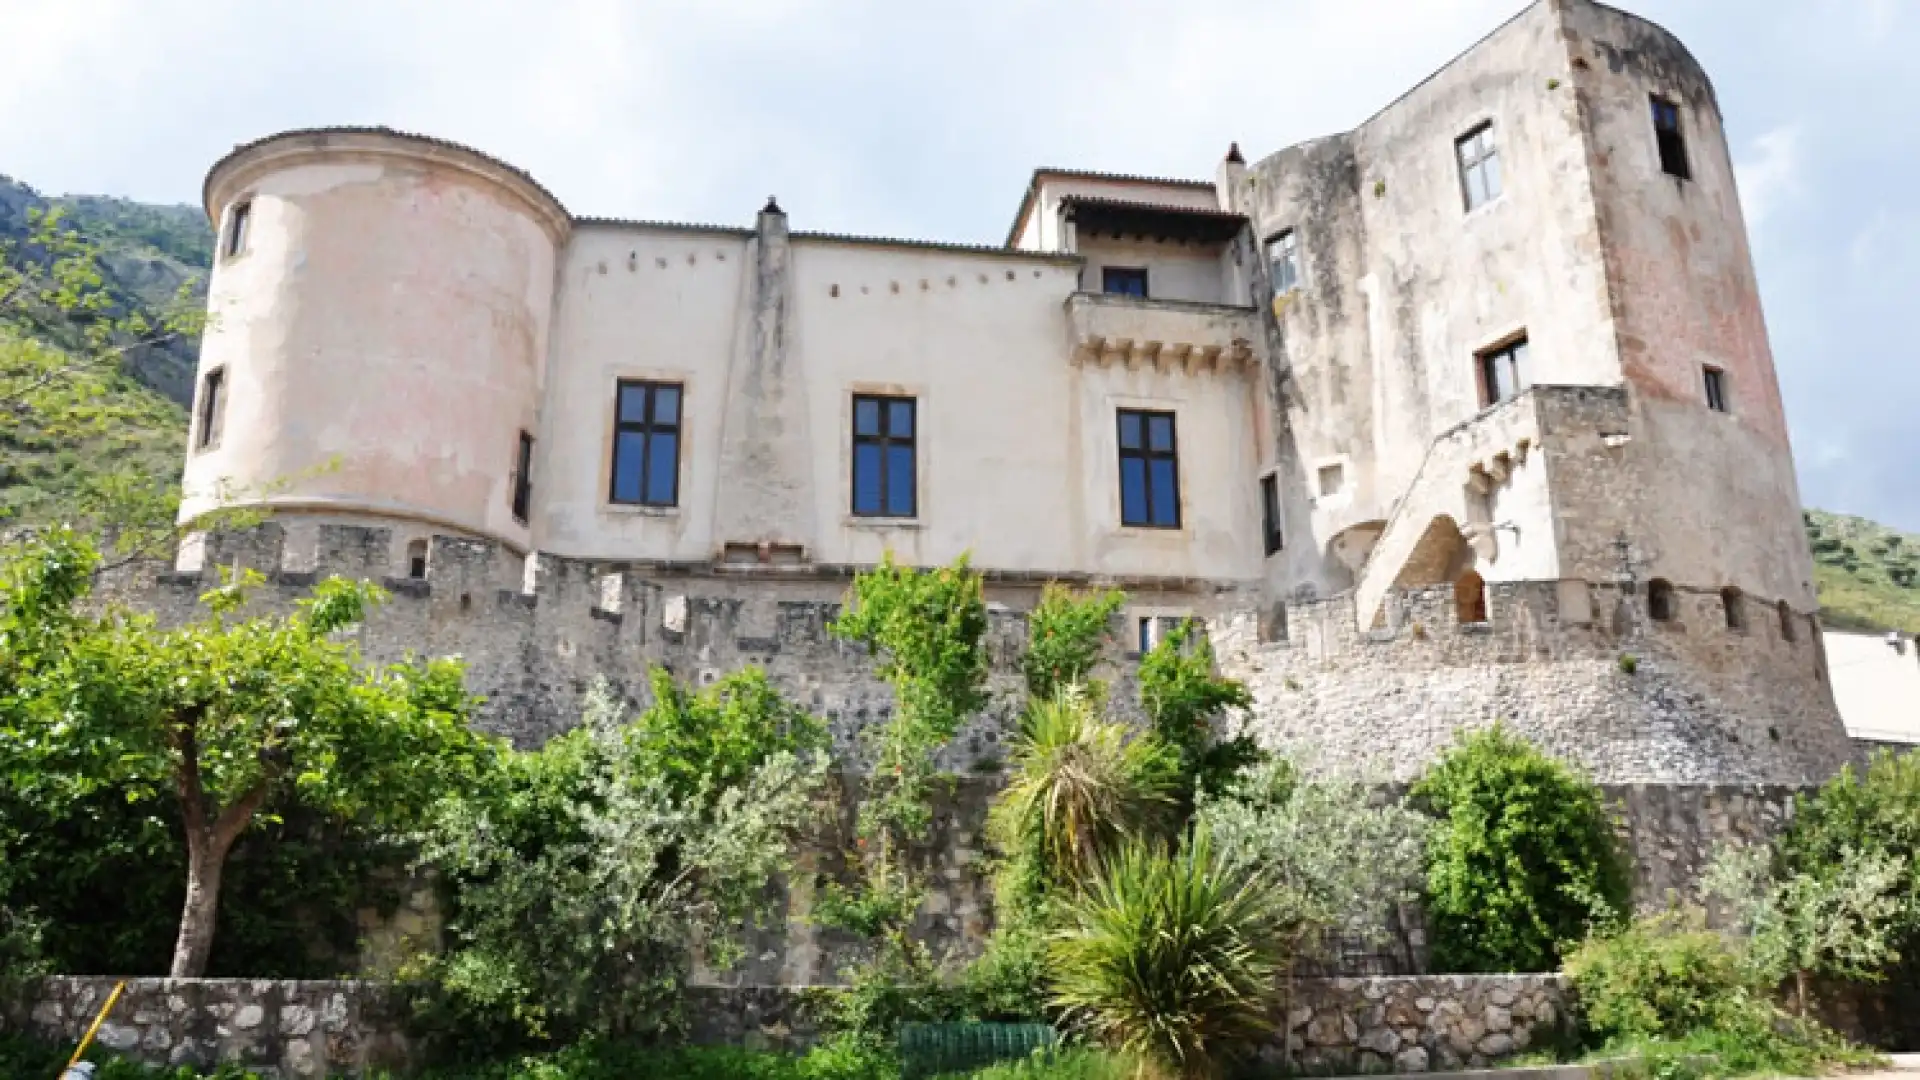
{"x": 890, "y": 117}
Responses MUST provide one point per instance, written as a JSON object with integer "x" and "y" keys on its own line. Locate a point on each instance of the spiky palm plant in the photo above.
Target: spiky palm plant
{"x": 1079, "y": 787}
{"x": 1173, "y": 956}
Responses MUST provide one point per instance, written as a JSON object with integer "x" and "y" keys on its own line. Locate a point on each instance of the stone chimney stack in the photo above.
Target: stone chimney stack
{"x": 1230, "y": 180}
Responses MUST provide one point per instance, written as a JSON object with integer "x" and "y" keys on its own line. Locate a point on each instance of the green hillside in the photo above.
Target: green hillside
{"x": 77, "y": 433}
{"x": 1868, "y": 575}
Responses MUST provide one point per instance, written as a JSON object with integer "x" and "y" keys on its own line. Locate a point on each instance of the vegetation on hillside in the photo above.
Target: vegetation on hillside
{"x": 1868, "y": 575}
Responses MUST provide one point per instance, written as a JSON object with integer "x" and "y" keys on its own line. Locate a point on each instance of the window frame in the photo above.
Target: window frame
{"x": 1272, "y": 516}
{"x": 1486, "y": 367}
{"x": 1147, "y": 456}
{"x": 1486, "y": 149}
{"x": 885, "y": 440}
{"x": 1109, "y": 273}
{"x": 1295, "y": 279}
{"x": 646, "y": 428}
{"x": 239, "y": 218}
{"x": 209, "y": 412}
{"x": 1670, "y": 140}
{"x": 520, "y": 494}
{"x": 1714, "y": 382}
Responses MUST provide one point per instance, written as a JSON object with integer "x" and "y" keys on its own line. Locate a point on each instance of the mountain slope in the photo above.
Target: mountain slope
{"x": 1868, "y": 575}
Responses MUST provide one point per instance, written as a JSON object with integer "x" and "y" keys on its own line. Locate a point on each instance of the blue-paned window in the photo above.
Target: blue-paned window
{"x": 1124, "y": 281}
{"x": 883, "y": 465}
{"x": 1149, "y": 470}
{"x": 646, "y": 444}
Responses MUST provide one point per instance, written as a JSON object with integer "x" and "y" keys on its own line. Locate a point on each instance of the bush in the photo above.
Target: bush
{"x": 1523, "y": 861}
{"x": 1660, "y": 977}
{"x": 1065, "y": 632}
{"x": 30, "y": 1058}
{"x": 1063, "y": 1065}
{"x": 1172, "y": 956}
{"x": 1186, "y": 700}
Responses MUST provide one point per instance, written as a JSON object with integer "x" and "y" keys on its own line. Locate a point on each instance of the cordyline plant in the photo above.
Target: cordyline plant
{"x": 226, "y": 711}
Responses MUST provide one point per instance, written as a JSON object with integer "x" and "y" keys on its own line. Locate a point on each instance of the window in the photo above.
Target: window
{"x": 1503, "y": 372}
{"x": 883, "y": 478}
{"x": 1786, "y": 620}
{"x": 1673, "y": 144}
{"x": 1736, "y": 611}
{"x": 1333, "y": 479}
{"x": 1479, "y": 166}
{"x": 417, "y": 559}
{"x": 1124, "y": 281}
{"x": 237, "y": 222}
{"x": 1270, "y": 513}
{"x": 1149, "y": 470}
{"x": 213, "y": 407}
{"x": 1716, "y": 389}
{"x": 523, "y": 478}
{"x": 1283, "y": 260}
{"x": 1660, "y": 600}
{"x": 1470, "y": 599}
{"x": 646, "y": 444}
{"x": 1155, "y": 628}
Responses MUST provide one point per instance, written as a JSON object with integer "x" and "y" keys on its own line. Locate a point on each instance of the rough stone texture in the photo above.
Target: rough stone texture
{"x": 279, "y": 1029}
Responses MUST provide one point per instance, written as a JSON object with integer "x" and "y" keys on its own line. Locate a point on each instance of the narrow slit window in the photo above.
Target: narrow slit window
{"x": 1270, "y": 513}
{"x": 884, "y": 483}
{"x": 237, "y": 222}
{"x": 1149, "y": 470}
{"x": 523, "y": 478}
{"x": 417, "y": 559}
{"x": 1673, "y": 141}
{"x": 1124, "y": 281}
{"x": 1283, "y": 260}
{"x": 646, "y": 444}
{"x": 213, "y": 408}
{"x": 1716, "y": 381}
{"x": 1732, "y": 604}
{"x": 1503, "y": 372}
{"x": 1479, "y": 166}
{"x": 1660, "y": 600}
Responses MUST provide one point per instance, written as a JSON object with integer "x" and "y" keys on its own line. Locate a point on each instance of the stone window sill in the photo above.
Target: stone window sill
{"x": 860, "y": 521}
{"x": 640, "y": 511}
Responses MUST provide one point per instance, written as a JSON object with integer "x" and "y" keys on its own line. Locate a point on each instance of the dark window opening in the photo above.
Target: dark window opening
{"x": 1283, "y": 260}
{"x": 1155, "y": 628}
{"x": 1503, "y": 373}
{"x": 1270, "y": 513}
{"x": 1479, "y": 166}
{"x": 1673, "y": 143}
{"x": 1124, "y": 281}
{"x": 417, "y": 559}
{"x": 1149, "y": 470}
{"x": 1716, "y": 381}
{"x": 646, "y": 444}
{"x": 1660, "y": 600}
{"x": 523, "y": 478}
{"x": 1786, "y": 621}
{"x": 237, "y": 223}
{"x": 1735, "y": 609}
{"x": 883, "y": 465}
{"x": 1470, "y": 599}
{"x": 212, "y": 408}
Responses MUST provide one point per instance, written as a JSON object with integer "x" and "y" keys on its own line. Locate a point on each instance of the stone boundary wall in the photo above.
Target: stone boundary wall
{"x": 1383, "y": 1024}
{"x": 279, "y": 1028}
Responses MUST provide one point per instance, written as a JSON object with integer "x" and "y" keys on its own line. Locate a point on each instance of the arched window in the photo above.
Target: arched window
{"x": 1786, "y": 621}
{"x": 1735, "y": 608}
{"x": 1470, "y": 598}
{"x": 417, "y": 559}
{"x": 1660, "y": 600}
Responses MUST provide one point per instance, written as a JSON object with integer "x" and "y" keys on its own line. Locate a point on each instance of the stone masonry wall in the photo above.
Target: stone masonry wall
{"x": 284, "y": 1029}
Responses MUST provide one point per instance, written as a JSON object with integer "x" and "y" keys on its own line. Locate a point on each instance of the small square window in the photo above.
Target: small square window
{"x": 1503, "y": 372}
{"x": 1673, "y": 142}
{"x": 1271, "y": 523}
{"x": 1716, "y": 381}
{"x": 1283, "y": 261}
{"x": 883, "y": 456}
{"x": 213, "y": 409}
{"x": 1124, "y": 281}
{"x": 1479, "y": 166}
{"x": 1333, "y": 479}
{"x": 1149, "y": 470}
{"x": 646, "y": 444}
{"x": 237, "y": 221}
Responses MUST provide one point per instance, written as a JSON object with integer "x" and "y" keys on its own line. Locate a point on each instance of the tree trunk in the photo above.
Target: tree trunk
{"x": 1800, "y": 992}
{"x": 195, "y": 943}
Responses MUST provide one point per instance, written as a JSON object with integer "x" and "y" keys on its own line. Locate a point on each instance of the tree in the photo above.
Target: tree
{"x": 1186, "y": 699}
{"x": 224, "y": 711}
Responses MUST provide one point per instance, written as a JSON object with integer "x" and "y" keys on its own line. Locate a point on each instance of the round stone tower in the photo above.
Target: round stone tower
{"x": 379, "y": 313}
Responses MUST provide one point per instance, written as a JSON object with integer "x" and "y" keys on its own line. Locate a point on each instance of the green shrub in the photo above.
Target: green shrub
{"x": 1186, "y": 699}
{"x": 1659, "y": 977}
{"x": 1008, "y": 982}
{"x": 1172, "y": 956}
{"x": 31, "y": 1059}
{"x": 1065, "y": 632}
{"x": 1062, "y": 1065}
{"x": 1524, "y": 859}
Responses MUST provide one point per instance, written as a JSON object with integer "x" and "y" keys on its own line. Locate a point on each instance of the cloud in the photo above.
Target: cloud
{"x": 1770, "y": 175}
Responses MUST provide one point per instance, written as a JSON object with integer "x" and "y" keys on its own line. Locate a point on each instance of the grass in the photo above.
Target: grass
{"x": 1868, "y": 575}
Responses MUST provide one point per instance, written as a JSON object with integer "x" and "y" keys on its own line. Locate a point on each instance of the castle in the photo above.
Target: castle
{"x": 1465, "y": 415}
